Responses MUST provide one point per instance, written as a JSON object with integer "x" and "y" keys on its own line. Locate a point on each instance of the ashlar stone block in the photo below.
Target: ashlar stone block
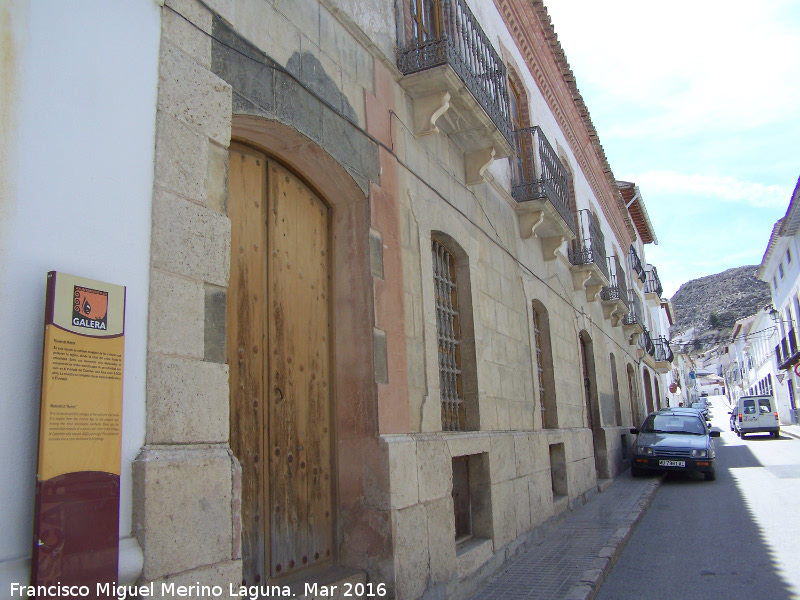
{"x": 523, "y": 454}
{"x": 434, "y": 469}
{"x": 182, "y": 514}
{"x": 187, "y": 401}
{"x": 188, "y": 27}
{"x": 410, "y": 551}
{"x": 402, "y": 453}
{"x": 176, "y": 316}
{"x": 522, "y": 505}
{"x": 193, "y": 95}
{"x": 441, "y": 536}
{"x": 504, "y": 518}
{"x": 181, "y": 164}
{"x": 189, "y": 239}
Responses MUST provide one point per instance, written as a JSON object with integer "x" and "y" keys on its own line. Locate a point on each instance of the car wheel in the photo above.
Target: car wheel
{"x": 742, "y": 434}
{"x": 637, "y": 472}
{"x": 777, "y": 434}
{"x": 710, "y": 475}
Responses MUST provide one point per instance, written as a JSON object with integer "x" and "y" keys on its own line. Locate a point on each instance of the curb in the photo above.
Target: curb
{"x": 592, "y": 579}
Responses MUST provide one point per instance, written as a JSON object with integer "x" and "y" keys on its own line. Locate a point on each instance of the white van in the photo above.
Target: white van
{"x": 756, "y": 414}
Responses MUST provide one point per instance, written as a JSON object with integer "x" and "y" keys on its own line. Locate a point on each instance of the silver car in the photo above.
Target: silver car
{"x": 674, "y": 440}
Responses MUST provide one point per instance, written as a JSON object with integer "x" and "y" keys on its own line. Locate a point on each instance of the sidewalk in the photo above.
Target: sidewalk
{"x": 574, "y": 557}
{"x": 792, "y": 430}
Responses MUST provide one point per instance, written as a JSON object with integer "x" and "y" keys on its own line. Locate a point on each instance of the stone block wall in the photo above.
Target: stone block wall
{"x": 511, "y": 498}
{"x": 185, "y": 478}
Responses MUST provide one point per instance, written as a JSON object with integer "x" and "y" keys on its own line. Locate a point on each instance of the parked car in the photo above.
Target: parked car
{"x": 755, "y": 414}
{"x": 674, "y": 439}
{"x": 702, "y": 408}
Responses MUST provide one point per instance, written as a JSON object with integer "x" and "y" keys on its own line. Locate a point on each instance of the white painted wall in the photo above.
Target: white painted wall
{"x": 78, "y": 102}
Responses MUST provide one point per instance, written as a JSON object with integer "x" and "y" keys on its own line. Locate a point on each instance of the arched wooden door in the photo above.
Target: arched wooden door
{"x": 592, "y": 399}
{"x": 648, "y": 391}
{"x": 278, "y": 343}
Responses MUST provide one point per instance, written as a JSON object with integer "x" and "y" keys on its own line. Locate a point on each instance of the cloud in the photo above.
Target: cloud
{"x": 664, "y": 72}
{"x": 721, "y": 188}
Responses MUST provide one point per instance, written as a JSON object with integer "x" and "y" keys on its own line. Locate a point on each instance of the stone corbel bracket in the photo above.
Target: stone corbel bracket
{"x": 592, "y": 291}
{"x": 614, "y": 312}
{"x": 476, "y": 163}
{"x": 580, "y": 277}
{"x": 528, "y": 222}
{"x": 550, "y": 246}
{"x": 427, "y": 111}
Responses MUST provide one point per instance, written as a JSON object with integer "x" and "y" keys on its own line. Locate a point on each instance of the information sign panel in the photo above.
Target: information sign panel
{"x": 76, "y": 517}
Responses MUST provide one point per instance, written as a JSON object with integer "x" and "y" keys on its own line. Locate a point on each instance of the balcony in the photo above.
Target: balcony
{"x": 647, "y": 349}
{"x": 615, "y": 295}
{"x": 587, "y": 255}
{"x": 663, "y": 354}
{"x": 787, "y": 352}
{"x": 456, "y": 80}
{"x": 652, "y": 284}
{"x": 636, "y": 266}
{"x": 540, "y": 185}
{"x": 632, "y": 322}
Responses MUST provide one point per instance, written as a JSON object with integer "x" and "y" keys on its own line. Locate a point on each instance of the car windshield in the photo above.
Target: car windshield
{"x": 673, "y": 423}
{"x": 699, "y": 405}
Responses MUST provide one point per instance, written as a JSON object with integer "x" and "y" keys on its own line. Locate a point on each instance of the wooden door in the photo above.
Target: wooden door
{"x": 279, "y": 357}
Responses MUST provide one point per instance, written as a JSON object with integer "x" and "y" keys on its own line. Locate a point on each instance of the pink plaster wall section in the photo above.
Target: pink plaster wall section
{"x": 393, "y": 410}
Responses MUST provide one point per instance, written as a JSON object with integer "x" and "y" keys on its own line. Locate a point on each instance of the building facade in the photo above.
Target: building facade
{"x": 779, "y": 268}
{"x": 389, "y": 312}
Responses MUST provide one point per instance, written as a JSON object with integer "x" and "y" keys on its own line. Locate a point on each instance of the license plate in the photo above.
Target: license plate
{"x": 671, "y": 463}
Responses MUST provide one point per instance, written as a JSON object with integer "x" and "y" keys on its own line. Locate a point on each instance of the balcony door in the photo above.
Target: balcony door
{"x": 278, "y": 341}
{"x": 426, "y": 17}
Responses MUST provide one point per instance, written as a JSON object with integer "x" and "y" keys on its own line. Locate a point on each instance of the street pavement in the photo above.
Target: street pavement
{"x": 731, "y": 538}
{"x": 734, "y": 538}
{"x": 576, "y": 554}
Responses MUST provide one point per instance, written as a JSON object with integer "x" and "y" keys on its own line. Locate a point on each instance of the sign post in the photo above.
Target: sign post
{"x": 76, "y": 515}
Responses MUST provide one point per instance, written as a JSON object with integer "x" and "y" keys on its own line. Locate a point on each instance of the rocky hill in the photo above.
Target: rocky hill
{"x": 729, "y": 295}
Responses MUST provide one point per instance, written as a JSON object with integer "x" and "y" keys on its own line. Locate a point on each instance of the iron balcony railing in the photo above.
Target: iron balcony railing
{"x": 538, "y": 173}
{"x": 635, "y": 313}
{"x": 636, "y": 265}
{"x": 663, "y": 351}
{"x": 787, "y": 351}
{"x": 590, "y": 245}
{"x": 616, "y": 289}
{"x": 653, "y": 283}
{"x": 446, "y": 32}
{"x": 646, "y": 342}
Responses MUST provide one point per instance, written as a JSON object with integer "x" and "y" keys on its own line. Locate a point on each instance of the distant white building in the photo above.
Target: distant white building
{"x": 780, "y": 268}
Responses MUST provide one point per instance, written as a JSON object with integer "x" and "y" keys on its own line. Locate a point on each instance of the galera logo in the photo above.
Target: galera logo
{"x": 89, "y": 308}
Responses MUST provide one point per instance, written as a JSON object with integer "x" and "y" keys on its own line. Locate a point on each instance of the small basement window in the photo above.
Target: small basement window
{"x": 471, "y": 501}
{"x": 462, "y": 501}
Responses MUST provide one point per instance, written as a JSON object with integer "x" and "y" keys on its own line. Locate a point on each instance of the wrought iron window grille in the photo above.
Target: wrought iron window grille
{"x": 449, "y": 337}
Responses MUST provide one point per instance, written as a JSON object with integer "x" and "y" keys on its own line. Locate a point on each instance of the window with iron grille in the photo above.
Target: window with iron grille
{"x": 544, "y": 365}
{"x": 537, "y": 342}
{"x": 449, "y": 338}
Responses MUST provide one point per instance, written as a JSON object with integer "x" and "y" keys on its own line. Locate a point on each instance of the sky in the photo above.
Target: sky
{"x": 698, "y": 103}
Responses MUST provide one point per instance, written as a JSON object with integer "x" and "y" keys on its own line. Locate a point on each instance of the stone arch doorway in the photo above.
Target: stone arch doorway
{"x": 591, "y": 400}
{"x": 279, "y": 358}
{"x": 648, "y": 391}
{"x": 301, "y": 219}
{"x": 636, "y": 418}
